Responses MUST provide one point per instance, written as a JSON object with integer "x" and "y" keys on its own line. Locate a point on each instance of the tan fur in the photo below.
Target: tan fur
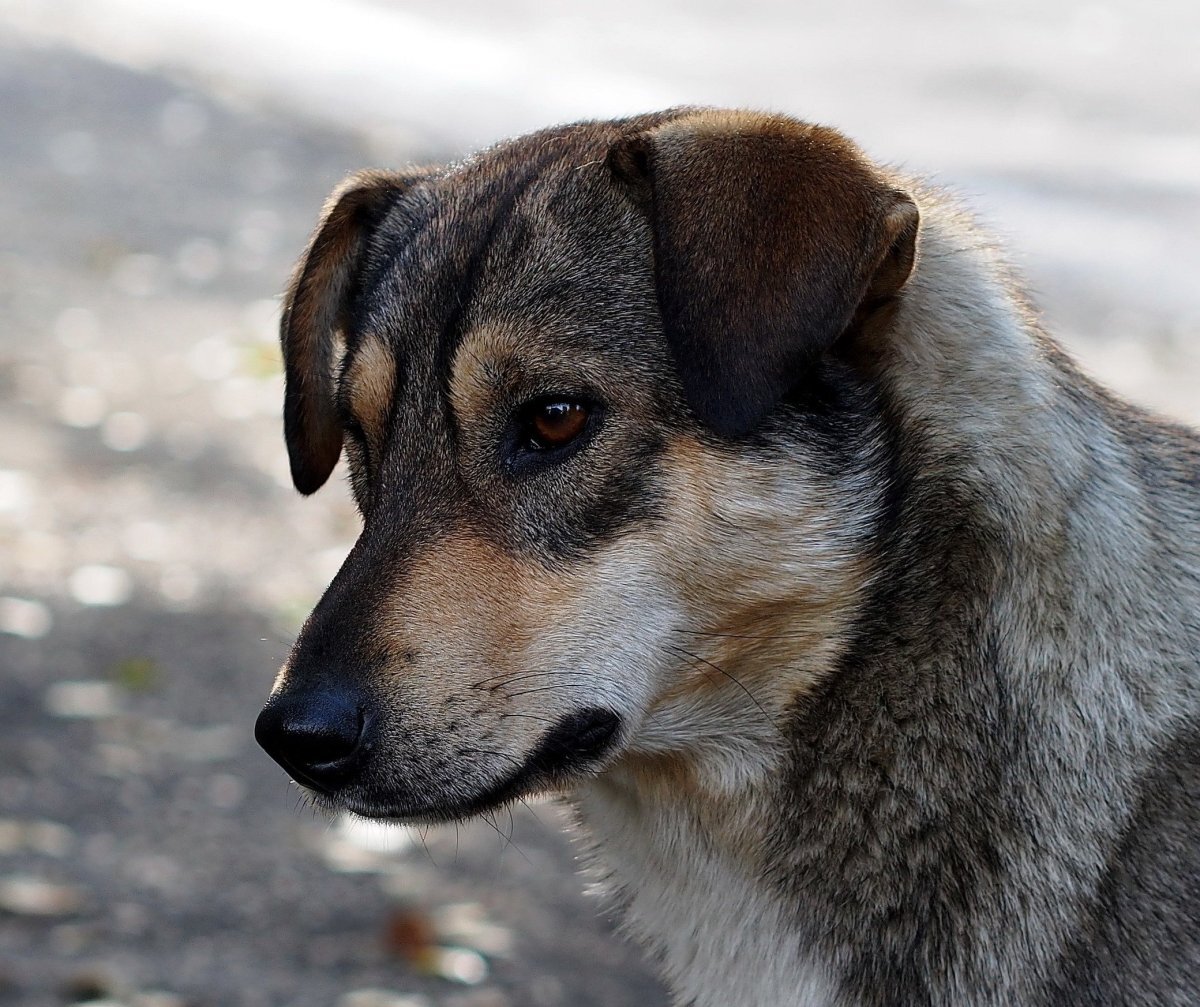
{"x": 476, "y": 607}
{"x": 892, "y": 652}
{"x": 724, "y": 556}
{"x": 739, "y": 601}
{"x": 371, "y": 381}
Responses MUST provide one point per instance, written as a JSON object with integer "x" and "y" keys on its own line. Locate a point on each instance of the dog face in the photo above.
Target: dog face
{"x": 609, "y": 465}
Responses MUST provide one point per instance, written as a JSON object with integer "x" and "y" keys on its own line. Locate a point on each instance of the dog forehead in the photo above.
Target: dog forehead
{"x": 534, "y": 230}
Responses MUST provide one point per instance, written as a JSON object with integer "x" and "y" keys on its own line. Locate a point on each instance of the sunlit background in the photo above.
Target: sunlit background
{"x": 160, "y": 166}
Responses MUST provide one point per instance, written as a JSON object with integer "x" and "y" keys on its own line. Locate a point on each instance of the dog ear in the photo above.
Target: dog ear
{"x": 315, "y": 311}
{"x": 771, "y": 237}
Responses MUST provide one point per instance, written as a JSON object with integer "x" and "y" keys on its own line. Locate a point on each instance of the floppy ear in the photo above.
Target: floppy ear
{"x": 315, "y": 312}
{"x": 770, "y": 236}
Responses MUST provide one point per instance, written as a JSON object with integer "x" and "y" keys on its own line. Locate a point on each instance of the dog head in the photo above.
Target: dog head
{"x": 607, "y": 452}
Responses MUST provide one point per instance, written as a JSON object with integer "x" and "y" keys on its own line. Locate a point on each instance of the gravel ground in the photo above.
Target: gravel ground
{"x": 154, "y": 563}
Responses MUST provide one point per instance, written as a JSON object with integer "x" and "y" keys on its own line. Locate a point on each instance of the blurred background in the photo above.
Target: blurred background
{"x": 161, "y": 162}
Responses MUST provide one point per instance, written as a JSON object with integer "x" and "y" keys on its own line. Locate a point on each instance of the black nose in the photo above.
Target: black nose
{"x": 316, "y": 736}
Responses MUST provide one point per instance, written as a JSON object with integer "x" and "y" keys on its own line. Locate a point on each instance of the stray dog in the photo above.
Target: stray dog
{"x": 720, "y": 480}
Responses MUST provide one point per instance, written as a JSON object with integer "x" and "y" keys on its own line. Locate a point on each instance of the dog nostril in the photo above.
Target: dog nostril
{"x": 315, "y": 737}
{"x": 317, "y": 745}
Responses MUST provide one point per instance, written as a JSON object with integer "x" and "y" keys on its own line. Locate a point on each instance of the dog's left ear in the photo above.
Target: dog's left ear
{"x": 771, "y": 238}
{"x": 315, "y": 312}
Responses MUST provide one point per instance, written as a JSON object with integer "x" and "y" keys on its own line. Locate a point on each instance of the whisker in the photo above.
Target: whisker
{"x": 526, "y": 805}
{"x": 749, "y": 695}
{"x": 519, "y": 763}
{"x": 490, "y": 818}
{"x": 544, "y": 688}
{"x": 529, "y": 716}
{"x": 505, "y": 678}
{"x": 422, "y": 832}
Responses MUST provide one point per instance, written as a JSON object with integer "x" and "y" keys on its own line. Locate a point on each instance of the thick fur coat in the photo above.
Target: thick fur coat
{"x": 860, "y": 629}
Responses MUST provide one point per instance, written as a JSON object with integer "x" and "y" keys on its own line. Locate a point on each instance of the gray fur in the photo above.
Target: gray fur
{"x": 947, "y": 754}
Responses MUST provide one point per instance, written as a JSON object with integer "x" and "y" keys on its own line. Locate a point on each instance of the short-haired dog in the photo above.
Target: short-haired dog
{"x": 721, "y": 481}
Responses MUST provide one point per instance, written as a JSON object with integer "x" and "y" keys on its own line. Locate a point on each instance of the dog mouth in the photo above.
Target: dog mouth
{"x": 576, "y": 745}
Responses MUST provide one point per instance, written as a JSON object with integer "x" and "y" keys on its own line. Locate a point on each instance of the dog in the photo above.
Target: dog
{"x": 721, "y": 481}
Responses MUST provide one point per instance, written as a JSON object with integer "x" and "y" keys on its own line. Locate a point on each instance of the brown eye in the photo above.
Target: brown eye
{"x": 555, "y": 424}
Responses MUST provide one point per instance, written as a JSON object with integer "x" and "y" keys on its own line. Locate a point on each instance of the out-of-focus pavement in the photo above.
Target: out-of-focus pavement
{"x": 155, "y": 563}
{"x": 160, "y": 165}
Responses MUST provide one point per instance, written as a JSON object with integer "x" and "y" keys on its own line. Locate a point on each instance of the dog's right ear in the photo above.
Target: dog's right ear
{"x": 315, "y": 312}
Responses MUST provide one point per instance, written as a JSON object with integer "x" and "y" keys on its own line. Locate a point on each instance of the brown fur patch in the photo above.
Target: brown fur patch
{"x": 476, "y": 606}
{"x": 496, "y": 359}
{"x": 479, "y": 369}
{"x": 370, "y": 382}
{"x": 776, "y": 634}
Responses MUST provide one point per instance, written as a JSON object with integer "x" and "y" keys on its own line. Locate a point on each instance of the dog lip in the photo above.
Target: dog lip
{"x": 574, "y": 744}
{"x": 577, "y": 738}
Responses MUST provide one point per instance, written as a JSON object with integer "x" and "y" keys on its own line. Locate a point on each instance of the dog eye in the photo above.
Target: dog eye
{"x": 554, "y": 424}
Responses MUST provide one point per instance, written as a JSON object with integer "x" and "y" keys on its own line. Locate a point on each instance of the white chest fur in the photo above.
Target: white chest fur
{"x": 723, "y": 938}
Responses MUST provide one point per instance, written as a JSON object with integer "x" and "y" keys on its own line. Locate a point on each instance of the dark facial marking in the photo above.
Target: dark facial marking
{"x": 536, "y": 241}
